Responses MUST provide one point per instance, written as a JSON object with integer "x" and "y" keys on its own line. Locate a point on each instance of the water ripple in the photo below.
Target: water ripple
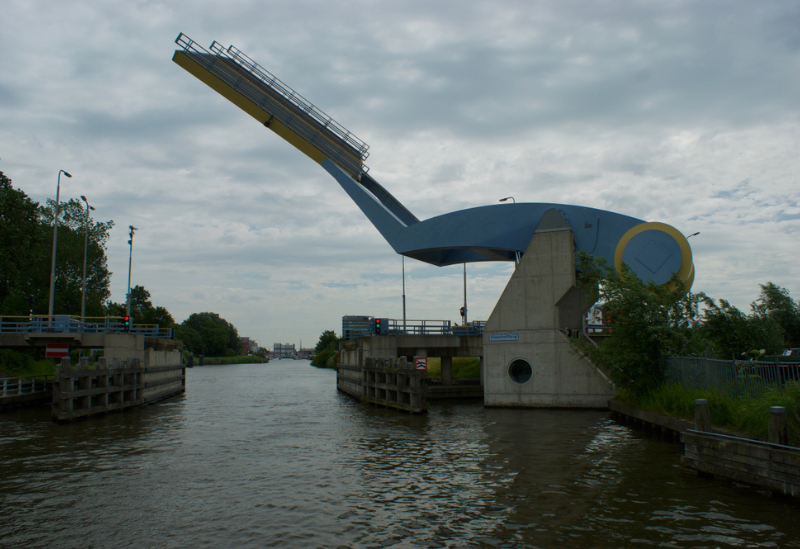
{"x": 272, "y": 456}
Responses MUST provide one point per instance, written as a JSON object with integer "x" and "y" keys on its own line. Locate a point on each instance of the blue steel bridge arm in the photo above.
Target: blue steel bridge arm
{"x": 498, "y": 232}
{"x": 488, "y": 233}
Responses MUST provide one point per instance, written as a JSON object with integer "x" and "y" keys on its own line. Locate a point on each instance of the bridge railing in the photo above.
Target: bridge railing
{"x": 434, "y": 327}
{"x": 68, "y": 324}
{"x": 291, "y": 109}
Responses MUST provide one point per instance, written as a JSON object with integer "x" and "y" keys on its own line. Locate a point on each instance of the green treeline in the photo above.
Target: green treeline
{"x": 650, "y": 322}
{"x": 326, "y": 351}
{"x": 26, "y": 244}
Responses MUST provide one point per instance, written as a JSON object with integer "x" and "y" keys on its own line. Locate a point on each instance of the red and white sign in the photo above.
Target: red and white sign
{"x": 57, "y": 350}
{"x": 420, "y": 363}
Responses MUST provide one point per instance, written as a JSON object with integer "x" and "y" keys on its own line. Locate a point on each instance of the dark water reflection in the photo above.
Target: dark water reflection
{"x": 271, "y": 455}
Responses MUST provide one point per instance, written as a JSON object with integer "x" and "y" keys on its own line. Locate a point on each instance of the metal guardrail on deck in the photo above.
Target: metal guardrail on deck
{"x": 434, "y": 327}
{"x": 66, "y": 324}
{"x": 292, "y": 109}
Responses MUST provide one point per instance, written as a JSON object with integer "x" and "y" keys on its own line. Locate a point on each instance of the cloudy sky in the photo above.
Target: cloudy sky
{"x": 684, "y": 112}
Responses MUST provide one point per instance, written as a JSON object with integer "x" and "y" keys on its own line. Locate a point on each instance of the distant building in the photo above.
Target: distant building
{"x": 283, "y": 350}
{"x": 355, "y": 326}
{"x": 249, "y": 347}
{"x": 305, "y": 352}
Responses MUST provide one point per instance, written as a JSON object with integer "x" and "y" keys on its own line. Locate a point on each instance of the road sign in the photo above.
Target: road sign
{"x": 420, "y": 363}
{"x": 57, "y": 350}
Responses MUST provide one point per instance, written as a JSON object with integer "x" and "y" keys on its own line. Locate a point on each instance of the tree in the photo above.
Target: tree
{"x": 26, "y": 240}
{"x": 731, "y": 334}
{"x": 218, "y": 337}
{"x": 142, "y": 309}
{"x": 326, "y": 348}
{"x": 327, "y": 340}
{"x": 22, "y": 240}
{"x": 775, "y": 304}
{"x": 73, "y": 226}
{"x": 192, "y": 340}
{"x": 648, "y": 322}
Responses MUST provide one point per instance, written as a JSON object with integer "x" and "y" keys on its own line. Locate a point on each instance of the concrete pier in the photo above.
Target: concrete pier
{"x": 389, "y": 382}
{"x": 528, "y": 358}
{"x": 152, "y": 370}
{"x": 101, "y": 387}
{"x": 355, "y": 354}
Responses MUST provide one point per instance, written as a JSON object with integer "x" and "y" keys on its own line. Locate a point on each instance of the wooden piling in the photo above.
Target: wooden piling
{"x": 778, "y": 426}
{"x": 702, "y": 417}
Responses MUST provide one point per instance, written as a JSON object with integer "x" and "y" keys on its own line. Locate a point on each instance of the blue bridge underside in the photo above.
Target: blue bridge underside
{"x": 498, "y": 232}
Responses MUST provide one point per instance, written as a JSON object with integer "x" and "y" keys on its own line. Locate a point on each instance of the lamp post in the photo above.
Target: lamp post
{"x": 130, "y": 259}
{"x": 404, "y": 293}
{"x": 465, "y": 295}
{"x": 85, "y": 253}
{"x": 516, "y": 254}
{"x": 55, "y": 245}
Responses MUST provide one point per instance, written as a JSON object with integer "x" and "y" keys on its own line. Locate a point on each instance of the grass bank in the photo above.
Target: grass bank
{"x": 747, "y": 416}
{"x": 22, "y": 364}
{"x": 462, "y": 367}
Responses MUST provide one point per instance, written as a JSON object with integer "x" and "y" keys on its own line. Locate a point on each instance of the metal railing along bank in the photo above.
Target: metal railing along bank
{"x": 12, "y": 386}
{"x": 738, "y": 378}
{"x": 67, "y": 324}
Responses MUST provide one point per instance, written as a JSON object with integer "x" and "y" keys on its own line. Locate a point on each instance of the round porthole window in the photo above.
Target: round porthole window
{"x": 520, "y": 371}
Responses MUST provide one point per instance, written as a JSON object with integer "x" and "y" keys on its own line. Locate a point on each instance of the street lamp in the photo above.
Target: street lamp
{"x": 516, "y": 254}
{"x": 130, "y": 259}
{"x": 465, "y": 296}
{"x": 55, "y": 245}
{"x": 85, "y": 253}
{"x": 404, "y": 292}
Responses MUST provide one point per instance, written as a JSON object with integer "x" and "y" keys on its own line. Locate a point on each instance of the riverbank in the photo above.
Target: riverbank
{"x": 745, "y": 416}
{"x": 711, "y": 451}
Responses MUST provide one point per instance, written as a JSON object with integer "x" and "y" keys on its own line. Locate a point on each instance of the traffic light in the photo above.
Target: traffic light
{"x": 126, "y": 323}
{"x": 380, "y": 326}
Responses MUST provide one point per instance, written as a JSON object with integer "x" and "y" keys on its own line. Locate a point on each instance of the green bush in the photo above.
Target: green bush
{"x": 326, "y": 356}
{"x": 23, "y": 364}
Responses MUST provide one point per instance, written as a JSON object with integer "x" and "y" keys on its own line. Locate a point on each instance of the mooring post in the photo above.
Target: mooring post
{"x": 65, "y": 386}
{"x": 778, "y": 426}
{"x": 702, "y": 417}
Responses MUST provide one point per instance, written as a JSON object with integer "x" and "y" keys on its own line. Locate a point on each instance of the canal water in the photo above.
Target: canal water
{"x": 271, "y": 455}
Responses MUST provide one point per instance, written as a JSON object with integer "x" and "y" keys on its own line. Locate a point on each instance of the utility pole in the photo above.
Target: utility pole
{"x": 404, "y": 293}
{"x": 130, "y": 260}
{"x": 465, "y": 294}
{"x": 55, "y": 245}
{"x": 85, "y": 253}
